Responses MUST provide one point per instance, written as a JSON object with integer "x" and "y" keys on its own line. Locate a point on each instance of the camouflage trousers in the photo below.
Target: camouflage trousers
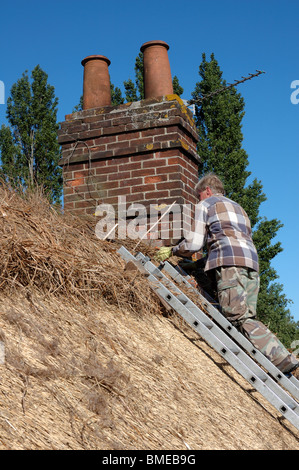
{"x": 237, "y": 294}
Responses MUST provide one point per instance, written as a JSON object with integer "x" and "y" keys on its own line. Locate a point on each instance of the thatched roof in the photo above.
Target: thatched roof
{"x": 92, "y": 359}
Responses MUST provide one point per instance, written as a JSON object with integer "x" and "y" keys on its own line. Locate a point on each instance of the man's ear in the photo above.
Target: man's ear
{"x": 209, "y": 191}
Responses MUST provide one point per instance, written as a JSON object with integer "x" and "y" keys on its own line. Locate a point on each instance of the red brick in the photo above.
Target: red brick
{"x": 99, "y": 148}
{"x": 118, "y": 152}
{"x": 113, "y": 130}
{"x": 118, "y": 145}
{"x": 142, "y": 158}
{"x": 143, "y": 188}
{"x": 135, "y": 197}
{"x": 166, "y": 138}
{"x": 76, "y": 166}
{"x": 128, "y": 136}
{"x": 172, "y": 153}
{"x": 76, "y": 182}
{"x": 175, "y": 177}
{"x": 152, "y": 132}
{"x": 174, "y": 161}
{"x": 90, "y": 134}
{"x": 109, "y": 184}
{"x": 99, "y": 163}
{"x": 139, "y": 142}
{"x": 121, "y": 121}
{"x": 175, "y": 192}
{"x": 107, "y": 169}
{"x": 68, "y": 205}
{"x": 119, "y": 175}
{"x": 119, "y": 192}
{"x": 83, "y": 173}
{"x": 168, "y": 170}
{"x": 169, "y": 185}
{"x": 80, "y": 204}
{"x": 143, "y": 172}
{"x": 105, "y": 154}
{"x": 130, "y": 182}
{"x": 73, "y": 197}
{"x": 153, "y": 163}
{"x": 161, "y": 194}
{"x": 105, "y": 140}
{"x": 100, "y": 124}
{"x": 172, "y": 129}
{"x": 155, "y": 179}
{"x": 130, "y": 166}
{"x": 93, "y": 119}
{"x": 113, "y": 200}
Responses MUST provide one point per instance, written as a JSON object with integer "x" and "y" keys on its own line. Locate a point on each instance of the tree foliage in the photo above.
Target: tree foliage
{"x": 29, "y": 146}
{"x": 116, "y": 95}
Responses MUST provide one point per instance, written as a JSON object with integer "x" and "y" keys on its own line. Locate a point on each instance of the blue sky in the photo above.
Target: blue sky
{"x": 244, "y": 35}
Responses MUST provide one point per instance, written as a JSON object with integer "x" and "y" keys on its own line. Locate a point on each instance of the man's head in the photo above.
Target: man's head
{"x": 208, "y": 185}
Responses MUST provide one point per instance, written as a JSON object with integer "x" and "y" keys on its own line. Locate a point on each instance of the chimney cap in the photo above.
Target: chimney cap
{"x": 154, "y": 43}
{"x": 95, "y": 57}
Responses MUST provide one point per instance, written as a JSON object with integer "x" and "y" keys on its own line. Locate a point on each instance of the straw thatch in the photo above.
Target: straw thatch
{"x": 93, "y": 360}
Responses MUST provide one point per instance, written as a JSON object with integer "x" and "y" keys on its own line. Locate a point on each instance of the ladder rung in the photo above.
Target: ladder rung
{"x": 291, "y": 406}
{"x": 263, "y": 378}
{"x": 235, "y": 351}
{"x": 158, "y": 273}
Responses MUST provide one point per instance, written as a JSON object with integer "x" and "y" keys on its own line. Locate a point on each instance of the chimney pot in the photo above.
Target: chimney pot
{"x": 96, "y": 82}
{"x": 156, "y": 69}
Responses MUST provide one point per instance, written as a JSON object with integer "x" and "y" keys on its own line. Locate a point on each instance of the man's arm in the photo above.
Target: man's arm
{"x": 195, "y": 240}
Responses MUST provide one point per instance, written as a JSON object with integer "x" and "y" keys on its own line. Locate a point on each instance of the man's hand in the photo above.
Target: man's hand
{"x": 164, "y": 253}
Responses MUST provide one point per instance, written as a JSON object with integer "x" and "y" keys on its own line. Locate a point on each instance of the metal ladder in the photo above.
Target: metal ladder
{"x": 222, "y": 336}
{"x": 291, "y": 384}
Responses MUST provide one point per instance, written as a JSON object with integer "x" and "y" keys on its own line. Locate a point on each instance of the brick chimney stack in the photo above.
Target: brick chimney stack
{"x": 144, "y": 151}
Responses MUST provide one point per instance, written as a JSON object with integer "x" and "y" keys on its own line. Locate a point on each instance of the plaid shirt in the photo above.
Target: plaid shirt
{"x": 224, "y": 227}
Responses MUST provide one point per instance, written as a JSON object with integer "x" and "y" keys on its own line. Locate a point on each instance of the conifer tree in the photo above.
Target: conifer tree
{"x": 218, "y": 121}
{"x": 116, "y": 95}
{"x": 29, "y": 146}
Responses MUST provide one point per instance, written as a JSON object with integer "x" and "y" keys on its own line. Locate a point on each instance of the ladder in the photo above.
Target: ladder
{"x": 291, "y": 384}
{"x": 220, "y": 334}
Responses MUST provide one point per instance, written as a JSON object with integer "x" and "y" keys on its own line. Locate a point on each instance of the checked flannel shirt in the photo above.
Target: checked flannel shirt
{"x": 224, "y": 227}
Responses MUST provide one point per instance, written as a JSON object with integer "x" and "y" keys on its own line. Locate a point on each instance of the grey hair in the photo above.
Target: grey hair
{"x": 211, "y": 180}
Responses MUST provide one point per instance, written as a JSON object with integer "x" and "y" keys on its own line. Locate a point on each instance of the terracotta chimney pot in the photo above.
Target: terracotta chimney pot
{"x": 157, "y": 74}
{"x": 96, "y": 82}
